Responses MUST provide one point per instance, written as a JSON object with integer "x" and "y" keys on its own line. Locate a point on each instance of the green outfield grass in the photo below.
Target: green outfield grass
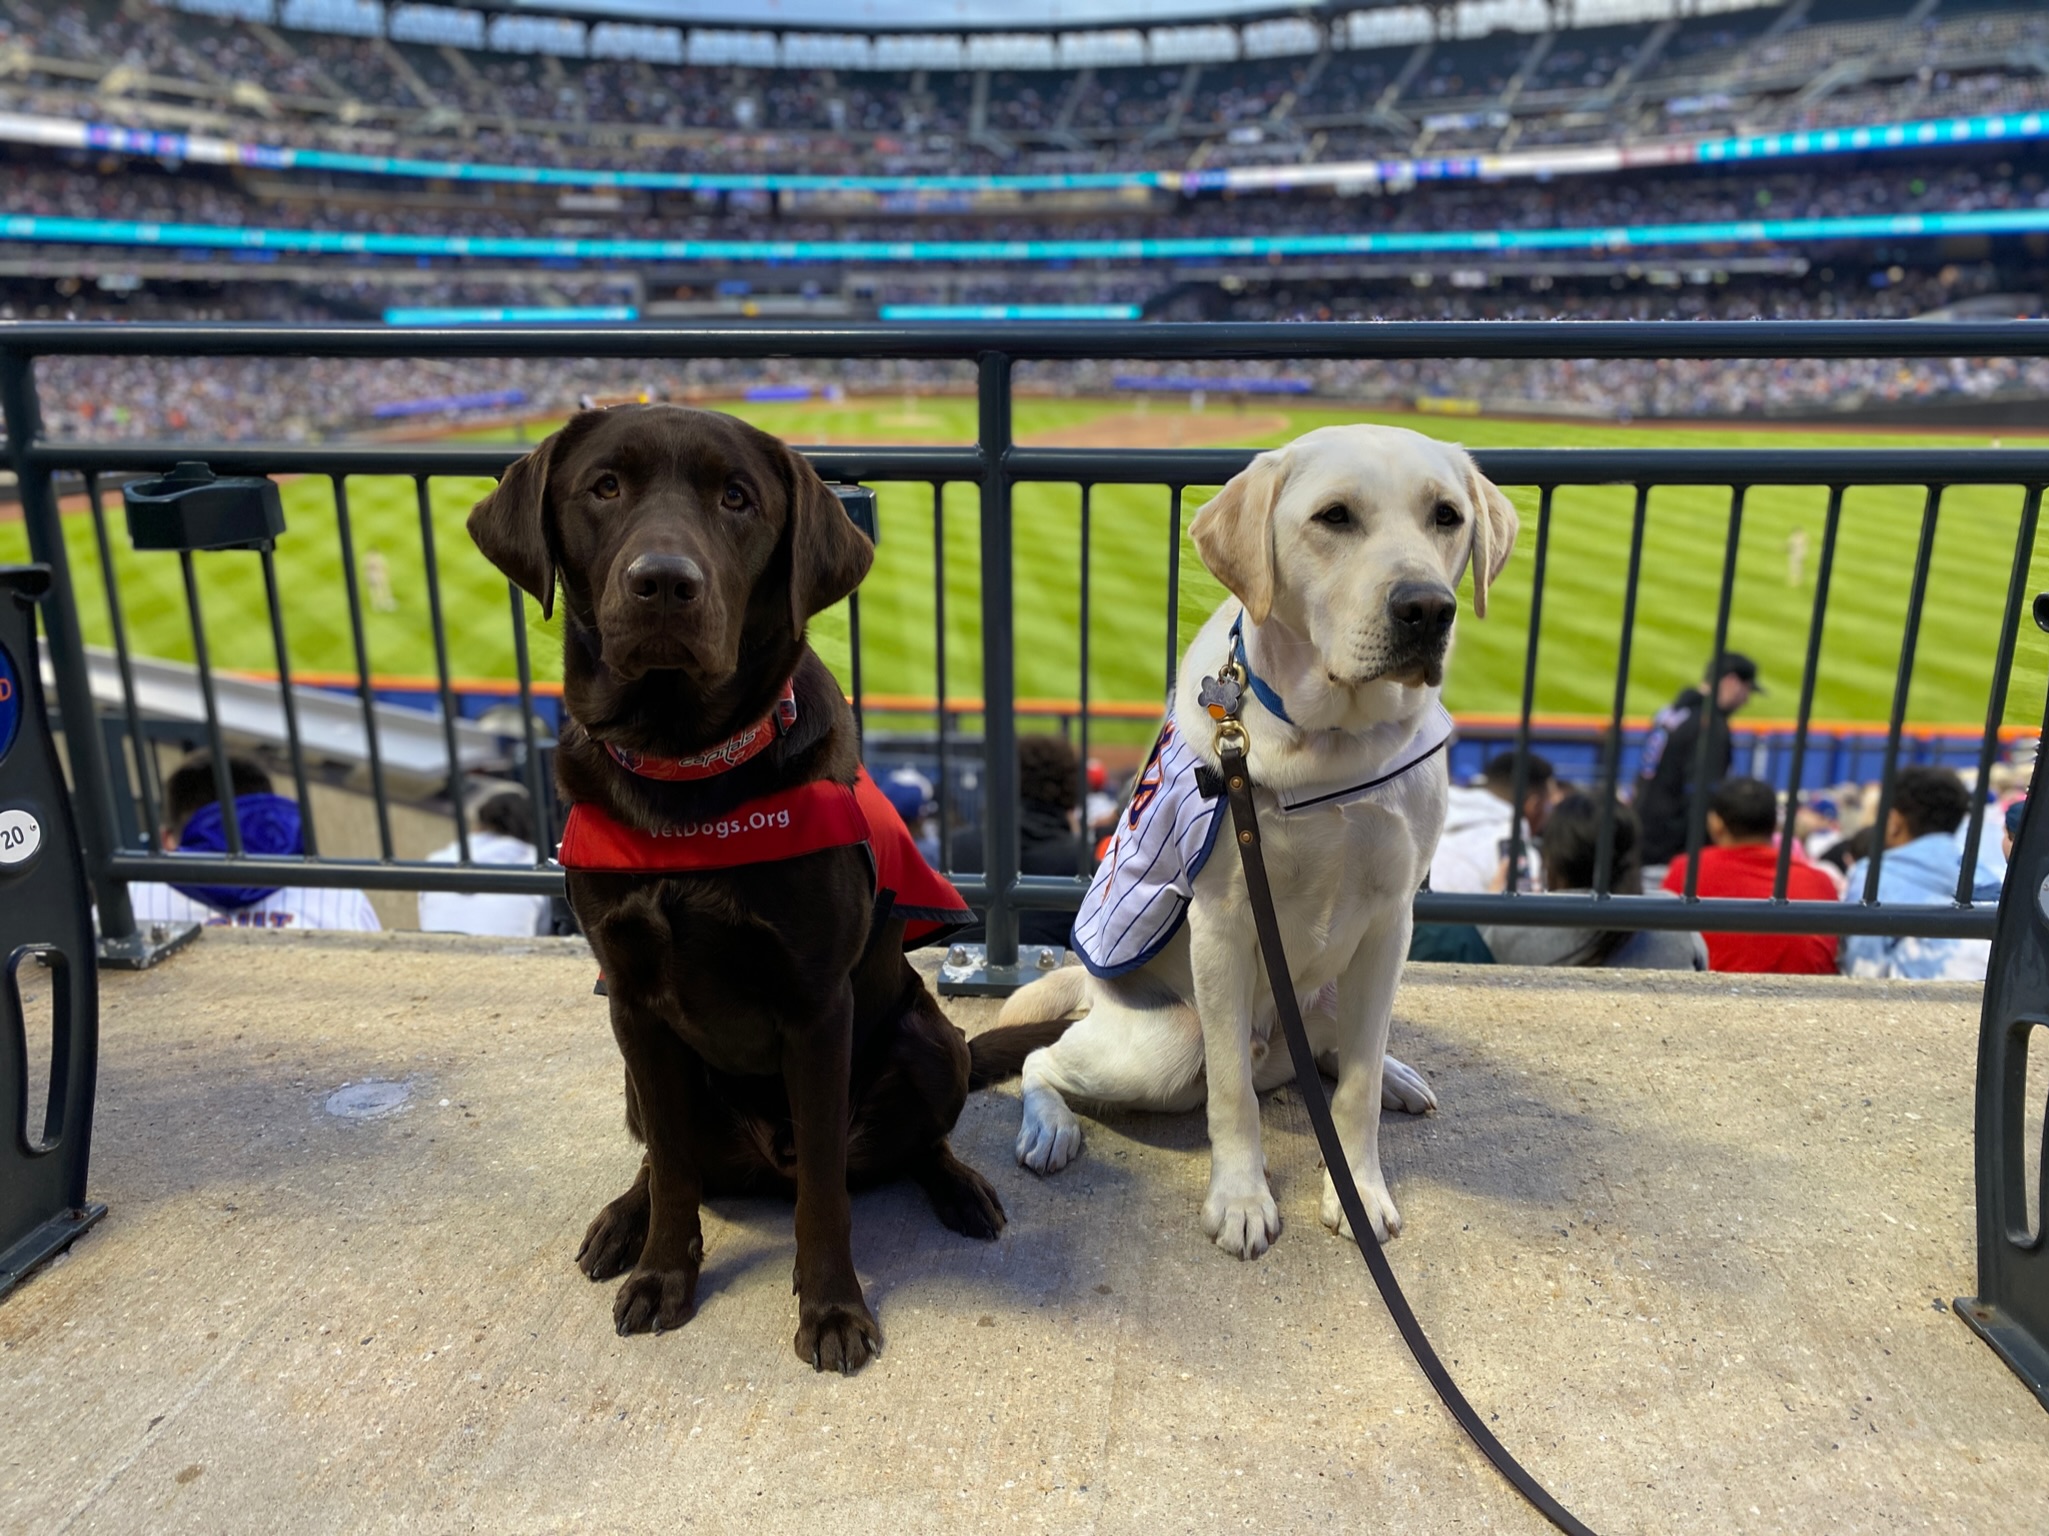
{"x": 1128, "y": 637}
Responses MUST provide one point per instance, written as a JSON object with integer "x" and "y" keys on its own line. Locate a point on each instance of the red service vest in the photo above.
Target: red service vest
{"x": 806, "y": 818}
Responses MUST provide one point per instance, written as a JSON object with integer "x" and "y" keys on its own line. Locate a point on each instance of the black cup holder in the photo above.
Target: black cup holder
{"x": 191, "y": 508}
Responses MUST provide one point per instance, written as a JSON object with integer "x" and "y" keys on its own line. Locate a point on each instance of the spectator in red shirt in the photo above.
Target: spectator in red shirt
{"x": 1743, "y": 862}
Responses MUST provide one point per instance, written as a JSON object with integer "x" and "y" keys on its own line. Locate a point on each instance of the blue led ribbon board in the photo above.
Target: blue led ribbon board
{"x": 1607, "y": 237}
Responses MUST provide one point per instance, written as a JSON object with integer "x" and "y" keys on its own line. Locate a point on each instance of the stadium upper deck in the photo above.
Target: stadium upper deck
{"x": 1615, "y": 80}
{"x": 1476, "y": 77}
{"x": 1466, "y": 119}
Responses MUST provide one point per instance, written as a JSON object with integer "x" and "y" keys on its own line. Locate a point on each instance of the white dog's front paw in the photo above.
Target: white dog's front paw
{"x": 1050, "y": 1137}
{"x": 1243, "y": 1223}
{"x": 1402, "y": 1087}
{"x": 1380, "y": 1207}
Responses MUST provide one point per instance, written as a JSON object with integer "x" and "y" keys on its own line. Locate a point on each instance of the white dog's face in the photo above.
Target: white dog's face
{"x": 1356, "y": 538}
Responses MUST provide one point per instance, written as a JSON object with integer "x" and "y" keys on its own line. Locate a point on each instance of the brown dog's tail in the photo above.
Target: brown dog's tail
{"x": 1032, "y": 1017}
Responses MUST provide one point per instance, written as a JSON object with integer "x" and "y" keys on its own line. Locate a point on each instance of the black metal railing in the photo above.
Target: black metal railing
{"x": 994, "y": 465}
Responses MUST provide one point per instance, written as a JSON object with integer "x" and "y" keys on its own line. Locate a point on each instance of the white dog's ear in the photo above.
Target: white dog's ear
{"x": 1234, "y": 533}
{"x": 1494, "y": 530}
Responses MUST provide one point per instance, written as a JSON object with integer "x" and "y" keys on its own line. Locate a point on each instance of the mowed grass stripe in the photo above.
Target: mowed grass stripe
{"x": 1683, "y": 554}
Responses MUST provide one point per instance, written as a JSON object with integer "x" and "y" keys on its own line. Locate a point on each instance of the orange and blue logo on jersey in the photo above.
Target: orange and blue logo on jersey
{"x": 1148, "y": 787}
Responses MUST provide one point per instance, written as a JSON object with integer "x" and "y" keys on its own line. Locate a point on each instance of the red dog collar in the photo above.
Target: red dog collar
{"x": 713, "y": 761}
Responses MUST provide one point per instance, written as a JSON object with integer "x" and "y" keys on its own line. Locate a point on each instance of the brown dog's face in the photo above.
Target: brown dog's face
{"x": 678, "y": 535}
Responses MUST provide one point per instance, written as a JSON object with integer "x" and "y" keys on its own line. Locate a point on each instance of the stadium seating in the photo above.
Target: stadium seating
{"x": 224, "y": 399}
{"x": 433, "y": 73}
{"x": 1369, "y": 97}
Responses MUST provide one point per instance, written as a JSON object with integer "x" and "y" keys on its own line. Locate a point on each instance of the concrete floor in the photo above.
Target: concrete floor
{"x": 1689, "y": 1242}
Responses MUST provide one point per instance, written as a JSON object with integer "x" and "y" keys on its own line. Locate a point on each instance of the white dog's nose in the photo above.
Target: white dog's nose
{"x": 1422, "y": 612}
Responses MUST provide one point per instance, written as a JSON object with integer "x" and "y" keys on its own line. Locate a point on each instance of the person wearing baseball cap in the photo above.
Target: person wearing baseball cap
{"x": 1664, "y": 778}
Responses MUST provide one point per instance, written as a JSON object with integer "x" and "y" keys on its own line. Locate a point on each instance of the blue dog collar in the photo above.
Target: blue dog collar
{"x": 1261, "y": 689}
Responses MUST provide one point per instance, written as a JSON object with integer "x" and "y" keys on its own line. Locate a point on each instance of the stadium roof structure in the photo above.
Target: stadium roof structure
{"x": 928, "y": 15}
{"x": 987, "y": 33}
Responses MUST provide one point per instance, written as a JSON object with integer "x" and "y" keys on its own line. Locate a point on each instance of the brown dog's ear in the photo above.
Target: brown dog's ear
{"x": 1234, "y": 533}
{"x": 828, "y": 554}
{"x": 1494, "y": 529}
{"x": 510, "y": 525}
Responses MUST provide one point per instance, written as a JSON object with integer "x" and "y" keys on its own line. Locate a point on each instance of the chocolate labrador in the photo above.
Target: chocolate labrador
{"x": 776, "y": 1040}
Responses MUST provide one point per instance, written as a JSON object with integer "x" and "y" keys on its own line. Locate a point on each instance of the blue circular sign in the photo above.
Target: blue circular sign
{"x": 10, "y": 703}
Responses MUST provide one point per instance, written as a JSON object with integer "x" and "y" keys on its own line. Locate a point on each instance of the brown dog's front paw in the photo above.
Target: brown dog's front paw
{"x": 966, "y": 1203}
{"x": 655, "y": 1300}
{"x": 838, "y": 1336}
{"x": 612, "y": 1242}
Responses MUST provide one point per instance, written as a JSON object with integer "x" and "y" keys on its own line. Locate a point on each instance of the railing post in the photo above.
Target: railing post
{"x": 91, "y": 784}
{"x": 2011, "y": 1310}
{"x": 996, "y": 967}
{"x": 999, "y": 662}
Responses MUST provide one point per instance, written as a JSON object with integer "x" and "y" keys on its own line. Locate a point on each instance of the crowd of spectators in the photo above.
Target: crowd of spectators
{"x": 1827, "y": 852}
{"x": 1685, "y": 389}
{"x": 1980, "y": 94}
{"x": 1553, "y": 831}
{"x": 1488, "y": 93}
{"x": 276, "y": 399}
{"x": 227, "y": 399}
{"x": 269, "y": 825}
{"x": 1570, "y": 858}
{"x": 1814, "y": 296}
{"x": 324, "y": 399}
{"x": 1919, "y": 847}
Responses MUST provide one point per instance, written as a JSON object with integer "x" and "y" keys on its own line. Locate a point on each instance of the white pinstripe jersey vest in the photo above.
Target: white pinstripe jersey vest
{"x": 1139, "y": 897}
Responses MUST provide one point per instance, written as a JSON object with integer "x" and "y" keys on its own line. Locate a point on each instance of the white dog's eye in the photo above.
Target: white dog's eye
{"x": 1447, "y": 515}
{"x": 1337, "y": 515}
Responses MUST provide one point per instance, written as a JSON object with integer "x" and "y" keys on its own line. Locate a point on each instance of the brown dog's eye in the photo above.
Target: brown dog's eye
{"x": 735, "y": 499}
{"x": 1447, "y": 515}
{"x": 1337, "y": 515}
{"x": 606, "y": 487}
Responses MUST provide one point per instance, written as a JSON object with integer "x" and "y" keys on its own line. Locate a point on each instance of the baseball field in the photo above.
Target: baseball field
{"x": 1778, "y": 555}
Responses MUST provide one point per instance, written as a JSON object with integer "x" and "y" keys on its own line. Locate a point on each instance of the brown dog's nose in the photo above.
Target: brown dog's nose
{"x": 664, "y": 581}
{"x": 1421, "y": 611}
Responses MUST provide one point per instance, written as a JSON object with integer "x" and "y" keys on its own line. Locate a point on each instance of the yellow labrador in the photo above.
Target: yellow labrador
{"x": 1342, "y": 552}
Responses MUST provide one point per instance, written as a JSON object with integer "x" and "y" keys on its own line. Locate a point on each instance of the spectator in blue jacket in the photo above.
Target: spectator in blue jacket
{"x": 1922, "y": 862}
{"x": 196, "y": 823}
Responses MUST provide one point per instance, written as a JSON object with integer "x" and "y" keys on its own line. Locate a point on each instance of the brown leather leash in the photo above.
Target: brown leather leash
{"x": 1223, "y": 696}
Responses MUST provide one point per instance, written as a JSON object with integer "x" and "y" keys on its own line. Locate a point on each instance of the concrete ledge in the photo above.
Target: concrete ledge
{"x": 1689, "y": 1240}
